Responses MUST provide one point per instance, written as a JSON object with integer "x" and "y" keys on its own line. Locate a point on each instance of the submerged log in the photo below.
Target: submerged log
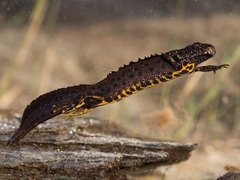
{"x": 83, "y": 148}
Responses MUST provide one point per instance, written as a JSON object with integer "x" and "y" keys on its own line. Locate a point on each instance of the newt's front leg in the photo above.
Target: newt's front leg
{"x": 210, "y": 68}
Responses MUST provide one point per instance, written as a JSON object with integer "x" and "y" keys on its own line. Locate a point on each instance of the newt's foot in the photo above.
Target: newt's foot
{"x": 210, "y": 68}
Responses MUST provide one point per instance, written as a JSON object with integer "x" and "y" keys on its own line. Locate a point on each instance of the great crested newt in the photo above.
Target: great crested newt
{"x": 129, "y": 79}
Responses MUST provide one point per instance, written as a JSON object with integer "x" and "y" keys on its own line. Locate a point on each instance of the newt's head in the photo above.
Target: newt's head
{"x": 186, "y": 60}
{"x": 197, "y": 53}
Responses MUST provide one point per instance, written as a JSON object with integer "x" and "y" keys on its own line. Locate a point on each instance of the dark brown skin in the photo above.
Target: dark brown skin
{"x": 129, "y": 79}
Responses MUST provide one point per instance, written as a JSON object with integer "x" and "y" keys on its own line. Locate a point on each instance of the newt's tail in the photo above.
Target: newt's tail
{"x": 46, "y": 107}
{"x": 19, "y": 134}
{"x": 29, "y": 122}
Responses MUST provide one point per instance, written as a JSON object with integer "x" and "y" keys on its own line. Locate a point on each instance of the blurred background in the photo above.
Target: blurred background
{"x": 45, "y": 45}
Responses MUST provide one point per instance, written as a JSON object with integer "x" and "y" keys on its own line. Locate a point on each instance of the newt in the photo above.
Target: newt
{"x": 129, "y": 79}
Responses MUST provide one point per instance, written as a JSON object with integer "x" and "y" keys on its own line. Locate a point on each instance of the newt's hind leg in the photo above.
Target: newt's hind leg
{"x": 86, "y": 105}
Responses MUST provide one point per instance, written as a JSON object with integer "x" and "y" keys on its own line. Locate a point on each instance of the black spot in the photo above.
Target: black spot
{"x": 138, "y": 88}
{"x": 143, "y": 84}
{"x": 91, "y": 101}
{"x": 162, "y": 79}
{"x": 148, "y": 83}
{"x": 175, "y": 58}
{"x": 122, "y": 95}
{"x": 99, "y": 86}
{"x": 185, "y": 63}
{"x": 177, "y": 75}
{"x": 159, "y": 61}
{"x": 135, "y": 69}
{"x": 168, "y": 77}
{"x": 118, "y": 78}
{"x": 115, "y": 98}
{"x": 108, "y": 89}
{"x": 184, "y": 72}
{"x": 151, "y": 69}
{"x": 139, "y": 73}
{"x": 103, "y": 90}
{"x": 129, "y": 92}
{"x": 76, "y": 101}
{"x": 108, "y": 99}
{"x": 123, "y": 73}
{"x": 155, "y": 81}
{"x": 157, "y": 71}
{"x": 124, "y": 83}
{"x": 85, "y": 107}
{"x": 112, "y": 80}
{"x": 131, "y": 75}
{"x": 132, "y": 89}
{"x": 189, "y": 67}
{"x": 93, "y": 87}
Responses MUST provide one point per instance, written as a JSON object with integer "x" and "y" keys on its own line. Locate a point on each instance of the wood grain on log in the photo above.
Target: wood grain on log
{"x": 82, "y": 147}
